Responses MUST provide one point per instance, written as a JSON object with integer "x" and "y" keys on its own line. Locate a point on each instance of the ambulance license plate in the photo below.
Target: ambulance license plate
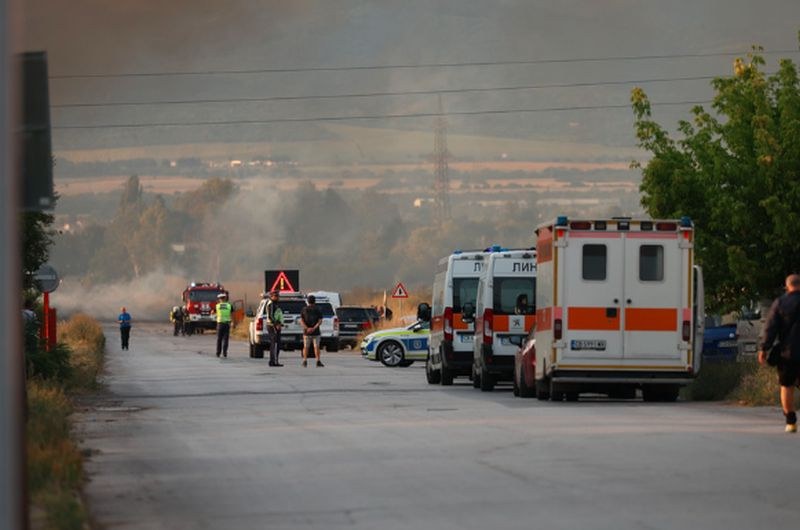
{"x": 598, "y": 345}
{"x": 467, "y": 338}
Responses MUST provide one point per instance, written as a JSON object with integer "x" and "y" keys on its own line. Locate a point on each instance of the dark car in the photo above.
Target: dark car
{"x": 719, "y": 340}
{"x": 354, "y": 322}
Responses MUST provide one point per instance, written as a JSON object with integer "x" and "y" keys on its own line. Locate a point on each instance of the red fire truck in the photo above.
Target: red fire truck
{"x": 199, "y": 306}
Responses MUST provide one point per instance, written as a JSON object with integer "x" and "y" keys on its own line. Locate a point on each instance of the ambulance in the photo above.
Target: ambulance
{"x": 504, "y": 314}
{"x": 455, "y": 285}
{"x": 619, "y": 308}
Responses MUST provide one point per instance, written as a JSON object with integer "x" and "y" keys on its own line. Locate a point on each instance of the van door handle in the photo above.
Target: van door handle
{"x": 628, "y": 301}
{"x": 616, "y": 300}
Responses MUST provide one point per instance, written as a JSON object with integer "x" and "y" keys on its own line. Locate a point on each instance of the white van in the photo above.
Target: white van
{"x": 504, "y": 314}
{"x": 455, "y": 286}
{"x": 617, "y": 306}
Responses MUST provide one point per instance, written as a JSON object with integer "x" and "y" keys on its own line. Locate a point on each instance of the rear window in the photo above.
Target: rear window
{"x": 509, "y": 291}
{"x": 352, "y": 314}
{"x": 326, "y": 308}
{"x": 594, "y": 262}
{"x": 291, "y": 306}
{"x": 651, "y": 263}
{"x": 465, "y": 290}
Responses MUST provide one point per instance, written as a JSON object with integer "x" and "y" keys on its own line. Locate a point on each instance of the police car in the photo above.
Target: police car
{"x": 398, "y": 346}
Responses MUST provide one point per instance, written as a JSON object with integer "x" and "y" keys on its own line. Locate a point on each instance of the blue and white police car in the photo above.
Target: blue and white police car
{"x": 398, "y": 346}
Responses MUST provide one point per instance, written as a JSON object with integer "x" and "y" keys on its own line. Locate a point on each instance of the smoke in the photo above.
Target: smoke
{"x": 147, "y": 298}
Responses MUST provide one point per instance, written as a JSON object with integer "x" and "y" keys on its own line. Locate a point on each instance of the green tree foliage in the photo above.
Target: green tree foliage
{"x": 735, "y": 170}
{"x": 37, "y": 238}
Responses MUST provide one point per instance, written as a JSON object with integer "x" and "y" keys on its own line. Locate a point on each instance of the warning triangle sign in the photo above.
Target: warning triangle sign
{"x": 400, "y": 291}
{"x": 282, "y": 284}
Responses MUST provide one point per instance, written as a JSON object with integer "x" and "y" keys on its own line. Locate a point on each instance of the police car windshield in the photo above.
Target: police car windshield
{"x": 465, "y": 290}
{"x": 507, "y": 293}
{"x": 203, "y": 296}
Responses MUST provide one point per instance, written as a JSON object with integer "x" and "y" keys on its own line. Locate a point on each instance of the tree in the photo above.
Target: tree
{"x": 736, "y": 172}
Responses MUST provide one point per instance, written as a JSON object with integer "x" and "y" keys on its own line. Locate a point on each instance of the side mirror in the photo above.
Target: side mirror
{"x": 468, "y": 313}
{"x": 250, "y": 313}
{"x": 424, "y": 312}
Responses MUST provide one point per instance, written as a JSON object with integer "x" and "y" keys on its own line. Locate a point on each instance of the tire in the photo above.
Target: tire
{"x": 334, "y": 347}
{"x": 434, "y": 377}
{"x": 524, "y": 390}
{"x": 476, "y": 378}
{"x": 670, "y": 393}
{"x": 542, "y": 389}
{"x": 447, "y": 376}
{"x": 650, "y": 393}
{"x": 555, "y": 394}
{"x": 487, "y": 381}
{"x": 625, "y": 392}
{"x": 572, "y": 396}
{"x": 662, "y": 393}
{"x": 405, "y": 364}
{"x": 390, "y": 353}
{"x": 258, "y": 351}
{"x": 252, "y": 351}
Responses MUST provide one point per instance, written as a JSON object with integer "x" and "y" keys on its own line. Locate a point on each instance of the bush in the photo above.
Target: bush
{"x": 85, "y": 338}
{"x": 716, "y": 380}
{"x": 50, "y": 365}
{"x": 758, "y": 387}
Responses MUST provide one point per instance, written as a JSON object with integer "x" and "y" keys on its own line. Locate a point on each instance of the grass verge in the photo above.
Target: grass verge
{"x": 54, "y": 462}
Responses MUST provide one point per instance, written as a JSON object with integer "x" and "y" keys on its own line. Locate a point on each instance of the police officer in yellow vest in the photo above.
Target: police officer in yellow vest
{"x": 223, "y": 324}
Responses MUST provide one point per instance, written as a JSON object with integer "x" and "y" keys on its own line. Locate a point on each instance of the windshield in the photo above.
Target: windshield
{"x": 419, "y": 325}
{"x": 465, "y": 290}
{"x": 203, "y": 296}
{"x": 352, "y": 314}
{"x": 514, "y": 296}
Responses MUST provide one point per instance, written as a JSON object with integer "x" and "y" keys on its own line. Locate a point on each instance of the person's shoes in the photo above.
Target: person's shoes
{"x": 305, "y": 363}
{"x": 791, "y": 427}
{"x": 225, "y": 355}
{"x": 278, "y": 364}
{"x": 319, "y": 363}
{"x": 271, "y": 363}
{"x": 217, "y": 354}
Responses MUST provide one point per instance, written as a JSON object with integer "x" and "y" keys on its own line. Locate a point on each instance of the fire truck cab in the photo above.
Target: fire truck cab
{"x": 200, "y": 306}
{"x": 619, "y": 308}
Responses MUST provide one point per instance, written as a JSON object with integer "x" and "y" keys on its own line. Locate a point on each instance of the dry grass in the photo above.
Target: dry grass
{"x": 85, "y": 338}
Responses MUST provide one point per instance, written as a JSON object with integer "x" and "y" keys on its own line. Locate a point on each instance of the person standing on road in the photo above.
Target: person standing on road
{"x": 274, "y": 325}
{"x": 311, "y": 319}
{"x": 176, "y": 316}
{"x": 223, "y": 324}
{"x": 124, "y": 320}
{"x": 781, "y": 328}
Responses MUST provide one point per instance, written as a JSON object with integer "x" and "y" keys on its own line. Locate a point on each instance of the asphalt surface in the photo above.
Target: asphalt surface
{"x": 185, "y": 440}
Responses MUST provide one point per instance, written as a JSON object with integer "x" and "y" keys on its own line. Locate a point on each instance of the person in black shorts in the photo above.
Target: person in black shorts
{"x": 782, "y": 328}
{"x": 311, "y": 319}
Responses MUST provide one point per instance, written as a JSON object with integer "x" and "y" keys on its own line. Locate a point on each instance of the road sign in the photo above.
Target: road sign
{"x": 400, "y": 291}
{"x": 285, "y": 281}
{"x": 47, "y": 279}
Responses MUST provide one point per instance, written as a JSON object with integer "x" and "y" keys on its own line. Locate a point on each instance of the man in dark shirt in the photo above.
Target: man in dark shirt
{"x": 782, "y": 328}
{"x": 311, "y": 319}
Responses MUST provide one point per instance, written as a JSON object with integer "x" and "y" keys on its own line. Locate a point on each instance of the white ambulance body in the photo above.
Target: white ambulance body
{"x": 616, "y": 308}
{"x": 501, "y": 321}
{"x": 454, "y": 285}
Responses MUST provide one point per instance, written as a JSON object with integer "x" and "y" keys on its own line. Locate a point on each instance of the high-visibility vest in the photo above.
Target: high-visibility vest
{"x": 274, "y": 316}
{"x": 223, "y": 312}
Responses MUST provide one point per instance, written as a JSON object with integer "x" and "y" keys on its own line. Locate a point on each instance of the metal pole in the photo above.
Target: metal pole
{"x": 13, "y": 510}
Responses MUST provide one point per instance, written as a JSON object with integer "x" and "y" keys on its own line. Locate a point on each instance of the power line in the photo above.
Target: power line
{"x": 380, "y": 94}
{"x": 252, "y": 71}
{"x": 363, "y": 117}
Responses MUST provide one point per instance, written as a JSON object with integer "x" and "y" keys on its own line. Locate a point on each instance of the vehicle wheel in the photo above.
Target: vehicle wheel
{"x": 542, "y": 390}
{"x": 476, "y": 378}
{"x": 434, "y": 376}
{"x": 524, "y": 390}
{"x": 624, "y": 392}
{"x": 189, "y": 330}
{"x": 332, "y": 347}
{"x": 670, "y": 393}
{"x": 555, "y": 394}
{"x": 572, "y": 396}
{"x": 515, "y": 386}
{"x": 258, "y": 351}
{"x": 252, "y": 351}
{"x": 487, "y": 381}
{"x": 447, "y": 376}
{"x": 405, "y": 364}
{"x": 390, "y": 353}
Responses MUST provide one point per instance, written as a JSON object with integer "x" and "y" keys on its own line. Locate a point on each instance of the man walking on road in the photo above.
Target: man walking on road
{"x": 274, "y": 325}
{"x": 124, "y": 321}
{"x": 311, "y": 319}
{"x": 782, "y": 328}
{"x": 223, "y": 324}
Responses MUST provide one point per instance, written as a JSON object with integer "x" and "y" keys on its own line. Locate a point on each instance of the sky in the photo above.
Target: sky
{"x": 94, "y": 37}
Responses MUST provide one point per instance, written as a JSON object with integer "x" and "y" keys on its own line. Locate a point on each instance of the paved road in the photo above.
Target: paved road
{"x": 185, "y": 440}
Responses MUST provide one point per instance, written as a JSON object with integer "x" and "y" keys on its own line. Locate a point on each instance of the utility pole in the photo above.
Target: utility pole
{"x": 13, "y": 509}
{"x": 441, "y": 183}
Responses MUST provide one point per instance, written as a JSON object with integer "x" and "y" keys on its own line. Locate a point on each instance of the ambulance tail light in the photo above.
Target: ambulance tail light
{"x": 557, "y": 329}
{"x": 260, "y": 324}
{"x": 448, "y": 324}
{"x": 686, "y": 330}
{"x": 488, "y": 324}
{"x": 366, "y": 325}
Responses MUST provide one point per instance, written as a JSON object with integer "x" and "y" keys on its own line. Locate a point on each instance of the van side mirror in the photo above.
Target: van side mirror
{"x": 424, "y": 312}
{"x": 468, "y": 313}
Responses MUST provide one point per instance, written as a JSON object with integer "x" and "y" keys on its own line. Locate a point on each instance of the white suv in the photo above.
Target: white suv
{"x": 292, "y": 305}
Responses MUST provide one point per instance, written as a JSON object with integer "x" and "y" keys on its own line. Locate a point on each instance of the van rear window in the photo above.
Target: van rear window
{"x": 651, "y": 263}
{"x": 594, "y": 262}
{"x": 465, "y": 290}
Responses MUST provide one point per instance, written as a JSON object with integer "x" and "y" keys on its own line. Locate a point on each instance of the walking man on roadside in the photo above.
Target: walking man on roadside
{"x": 311, "y": 319}
{"x": 124, "y": 320}
{"x": 274, "y": 325}
{"x": 782, "y": 328}
{"x": 223, "y": 324}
